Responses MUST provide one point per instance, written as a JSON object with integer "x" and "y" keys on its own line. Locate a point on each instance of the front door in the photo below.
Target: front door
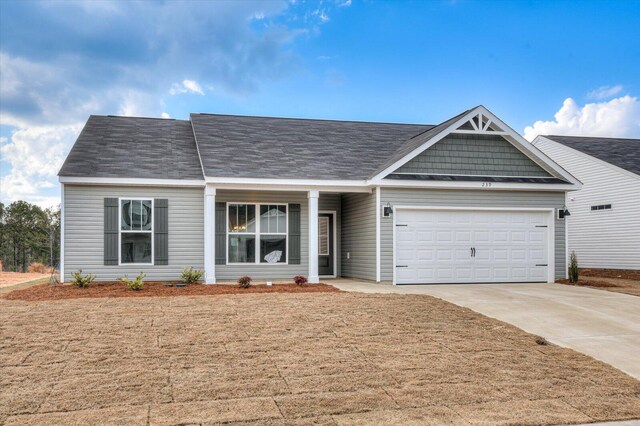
{"x": 325, "y": 244}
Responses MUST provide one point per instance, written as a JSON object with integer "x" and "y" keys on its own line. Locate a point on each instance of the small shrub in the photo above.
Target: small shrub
{"x": 541, "y": 341}
{"x": 244, "y": 282}
{"x": 191, "y": 276}
{"x": 135, "y": 284}
{"x": 573, "y": 268}
{"x": 80, "y": 280}
{"x": 300, "y": 280}
{"x": 37, "y": 268}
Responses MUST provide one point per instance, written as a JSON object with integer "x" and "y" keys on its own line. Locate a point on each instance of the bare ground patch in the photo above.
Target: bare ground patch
{"x": 330, "y": 358}
{"x": 12, "y": 278}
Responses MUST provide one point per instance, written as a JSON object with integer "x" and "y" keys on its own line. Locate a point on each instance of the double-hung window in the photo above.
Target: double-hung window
{"x": 136, "y": 231}
{"x": 257, "y": 233}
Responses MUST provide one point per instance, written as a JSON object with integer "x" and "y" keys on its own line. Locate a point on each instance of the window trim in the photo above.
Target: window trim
{"x": 257, "y": 234}
{"x": 141, "y": 231}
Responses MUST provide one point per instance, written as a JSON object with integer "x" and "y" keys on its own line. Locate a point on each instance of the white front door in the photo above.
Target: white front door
{"x": 471, "y": 246}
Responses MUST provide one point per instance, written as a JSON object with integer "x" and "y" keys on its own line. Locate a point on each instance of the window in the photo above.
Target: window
{"x": 323, "y": 236}
{"x": 601, "y": 207}
{"x": 257, "y": 241}
{"x": 136, "y": 231}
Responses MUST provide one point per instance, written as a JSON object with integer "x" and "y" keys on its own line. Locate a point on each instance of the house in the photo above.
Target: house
{"x": 604, "y": 224}
{"x": 467, "y": 200}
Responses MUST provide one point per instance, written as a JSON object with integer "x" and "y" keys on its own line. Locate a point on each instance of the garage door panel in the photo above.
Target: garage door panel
{"x": 463, "y": 273}
{"x": 435, "y": 246}
{"x": 444, "y": 236}
{"x": 444, "y": 254}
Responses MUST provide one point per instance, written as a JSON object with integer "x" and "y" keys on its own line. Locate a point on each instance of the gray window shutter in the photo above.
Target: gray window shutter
{"x": 221, "y": 233}
{"x": 111, "y": 228}
{"x": 161, "y": 231}
{"x": 294, "y": 234}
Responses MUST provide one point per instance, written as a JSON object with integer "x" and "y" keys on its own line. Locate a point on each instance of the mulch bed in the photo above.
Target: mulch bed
{"x": 611, "y": 273}
{"x": 617, "y": 285}
{"x": 155, "y": 289}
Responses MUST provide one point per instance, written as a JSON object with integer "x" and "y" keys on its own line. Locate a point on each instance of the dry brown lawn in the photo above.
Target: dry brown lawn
{"x": 324, "y": 358}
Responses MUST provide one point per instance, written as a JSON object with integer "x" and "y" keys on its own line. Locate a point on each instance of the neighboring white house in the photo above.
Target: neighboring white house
{"x": 604, "y": 226}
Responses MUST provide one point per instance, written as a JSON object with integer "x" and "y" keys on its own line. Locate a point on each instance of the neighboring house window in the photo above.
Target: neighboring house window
{"x": 601, "y": 207}
{"x": 257, "y": 241}
{"x": 136, "y": 231}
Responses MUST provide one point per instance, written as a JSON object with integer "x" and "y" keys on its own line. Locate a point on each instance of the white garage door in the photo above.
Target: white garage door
{"x": 464, "y": 246}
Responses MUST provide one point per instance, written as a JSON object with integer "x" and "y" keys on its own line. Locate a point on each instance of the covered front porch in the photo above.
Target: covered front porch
{"x": 274, "y": 235}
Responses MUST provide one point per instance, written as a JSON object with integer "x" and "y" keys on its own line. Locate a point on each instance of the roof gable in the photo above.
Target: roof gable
{"x": 476, "y": 121}
{"x": 473, "y": 155}
{"x": 623, "y": 153}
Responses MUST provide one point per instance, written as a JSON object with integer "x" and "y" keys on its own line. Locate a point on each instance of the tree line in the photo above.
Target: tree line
{"x": 28, "y": 233}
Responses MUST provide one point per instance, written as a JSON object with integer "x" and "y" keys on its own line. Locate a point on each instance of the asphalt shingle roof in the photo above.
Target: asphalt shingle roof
{"x": 133, "y": 147}
{"x": 624, "y": 153}
{"x": 285, "y": 148}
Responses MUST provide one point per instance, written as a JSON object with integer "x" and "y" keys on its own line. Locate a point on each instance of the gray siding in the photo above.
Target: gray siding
{"x": 84, "y": 230}
{"x": 479, "y": 155}
{"x": 331, "y": 202}
{"x": 359, "y": 236}
{"x": 264, "y": 271}
{"x": 466, "y": 198}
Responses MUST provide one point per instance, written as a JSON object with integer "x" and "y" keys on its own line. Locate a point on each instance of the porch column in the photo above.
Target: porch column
{"x": 313, "y": 237}
{"x": 209, "y": 234}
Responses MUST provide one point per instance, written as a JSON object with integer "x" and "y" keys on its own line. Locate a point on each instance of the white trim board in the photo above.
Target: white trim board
{"x": 551, "y": 264}
{"x": 62, "y": 233}
{"x": 378, "y": 256}
{"x": 130, "y": 181}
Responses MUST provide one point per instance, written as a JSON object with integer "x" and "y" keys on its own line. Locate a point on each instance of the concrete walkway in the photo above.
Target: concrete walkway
{"x": 602, "y": 324}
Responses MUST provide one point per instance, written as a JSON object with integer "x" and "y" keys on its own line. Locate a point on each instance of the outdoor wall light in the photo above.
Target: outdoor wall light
{"x": 387, "y": 210}
{"x": 563, "y": 212}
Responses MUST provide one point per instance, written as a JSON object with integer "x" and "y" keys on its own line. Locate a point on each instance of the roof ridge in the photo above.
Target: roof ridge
{"x": 589, "y": 137}
{"x": 310, "y": 119}
{"x": 137, "y": 117}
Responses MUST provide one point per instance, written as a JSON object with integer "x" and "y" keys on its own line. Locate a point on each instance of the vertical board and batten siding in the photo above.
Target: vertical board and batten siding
{"x": 466, "y": 198}
{"x": 358, "y": 236}
{"x": 84, "y": 230}
{"x": 601, "y": 238}
{"x": 266, "y": 271}
{"x": 331, "y": 202}
{"x": 478, "y": 155}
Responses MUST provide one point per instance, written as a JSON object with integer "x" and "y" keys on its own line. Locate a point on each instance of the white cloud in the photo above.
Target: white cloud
{"x": 193, "y": 86}
{"x": 187, "y": 86}
{"x": 322, "y": 15}
{"x": 111, "y": 62}
{"x": 165, "y": 115}
{"x": 604, "y": 92}
{"x": 618, "y": 117}
{"x": 35, "y": 155}
{"x": 345, "y": 3}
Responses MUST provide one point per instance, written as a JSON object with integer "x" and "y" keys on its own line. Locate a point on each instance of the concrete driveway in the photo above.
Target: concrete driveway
{"x": 602, "y": 324}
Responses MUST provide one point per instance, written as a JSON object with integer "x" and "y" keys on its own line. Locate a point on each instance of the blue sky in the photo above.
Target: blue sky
{"x": 544, "y": 67}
